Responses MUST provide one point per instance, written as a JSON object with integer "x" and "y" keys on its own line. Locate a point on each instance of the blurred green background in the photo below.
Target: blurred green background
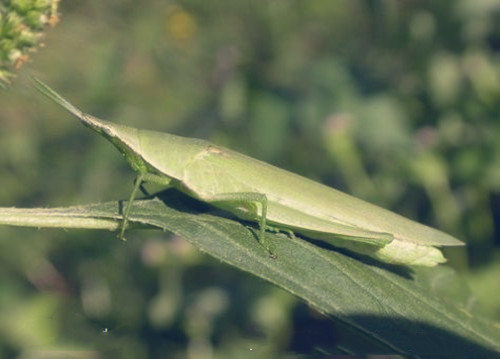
{"x": 396, "y": 102}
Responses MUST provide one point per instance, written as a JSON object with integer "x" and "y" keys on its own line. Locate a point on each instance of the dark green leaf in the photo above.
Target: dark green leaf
{"x": 399, "y": 309}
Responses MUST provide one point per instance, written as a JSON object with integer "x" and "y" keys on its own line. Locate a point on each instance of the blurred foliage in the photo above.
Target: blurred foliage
{"x": 395, "y": 102}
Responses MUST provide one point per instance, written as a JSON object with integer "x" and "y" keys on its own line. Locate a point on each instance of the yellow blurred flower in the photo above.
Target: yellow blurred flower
{"x": 180, "y": 25}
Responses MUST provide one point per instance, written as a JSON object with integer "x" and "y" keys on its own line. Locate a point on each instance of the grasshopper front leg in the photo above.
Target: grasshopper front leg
{"x": 138, "y": 184}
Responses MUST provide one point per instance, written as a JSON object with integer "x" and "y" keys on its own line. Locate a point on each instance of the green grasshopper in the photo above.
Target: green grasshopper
{"x": 255, "y": 191}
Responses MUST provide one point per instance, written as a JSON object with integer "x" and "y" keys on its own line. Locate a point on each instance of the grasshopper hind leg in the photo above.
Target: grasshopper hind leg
{"x": 230, "y": 201}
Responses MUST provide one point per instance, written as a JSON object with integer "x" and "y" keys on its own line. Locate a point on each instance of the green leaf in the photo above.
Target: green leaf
{"x": 398, "y": 309}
